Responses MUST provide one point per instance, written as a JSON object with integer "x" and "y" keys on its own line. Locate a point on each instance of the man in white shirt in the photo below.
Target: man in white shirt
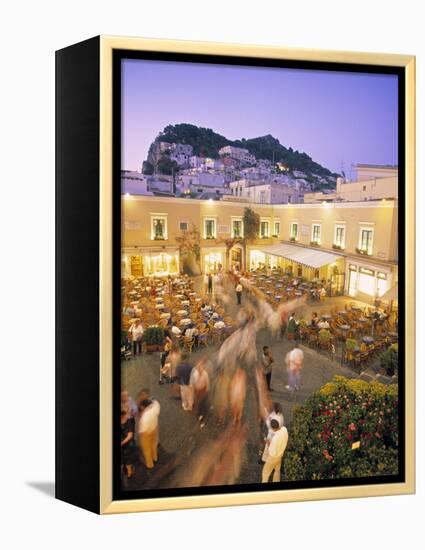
{"x": 239, "y": 289}
{"x": 276, "y": 447}
{"x": 136, "y": 331}
{"x": 323, "y": 324}
{"x": 148, "y": 431}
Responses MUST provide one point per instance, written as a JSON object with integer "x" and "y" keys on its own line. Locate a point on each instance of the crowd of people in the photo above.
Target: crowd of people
{"x": 215, "y": 388}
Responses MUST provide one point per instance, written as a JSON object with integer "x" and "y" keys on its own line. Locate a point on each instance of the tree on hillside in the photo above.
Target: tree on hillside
{"x": 147, "y": 168}
{"x": 167, "y": 166}
{"x": 251, "y": 226}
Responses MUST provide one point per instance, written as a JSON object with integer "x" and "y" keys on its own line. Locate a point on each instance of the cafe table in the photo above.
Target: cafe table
{"x": 165, "y": 315}
{"x": 159, "y": 306}
{"x": 185, "y": 302}
{"x": 182, "y": 312}
{"x": 368, "y": 340}
{"x": 185, "y": 322}
{"x": 344, "y": 327}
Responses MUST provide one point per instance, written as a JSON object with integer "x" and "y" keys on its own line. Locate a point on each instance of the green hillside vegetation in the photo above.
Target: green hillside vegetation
{"x": 207, "y": 143}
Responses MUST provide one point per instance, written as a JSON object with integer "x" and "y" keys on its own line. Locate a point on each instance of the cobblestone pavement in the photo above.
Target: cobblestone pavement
{"x": 179, "y": 431}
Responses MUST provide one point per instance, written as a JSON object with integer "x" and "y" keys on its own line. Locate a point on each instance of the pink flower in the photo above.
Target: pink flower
{"x": 352, "y": 426}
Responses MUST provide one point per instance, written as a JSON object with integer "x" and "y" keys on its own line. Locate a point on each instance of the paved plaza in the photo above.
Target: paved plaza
{"x": 179, "y": 431}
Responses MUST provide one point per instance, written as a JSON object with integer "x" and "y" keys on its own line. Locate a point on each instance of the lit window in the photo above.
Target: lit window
{"x": 340, "y": 236}
{"x": 159, "y": 227}
{"x": 209, "y": 228}
{"x": 264, "y": 229}
{"x": 294, "y": 230}
{"x": 236, "y": 228}
{"x": 366, "y": 240}
{"x": 276, "y": 231}
{"x": 315, "y": 233}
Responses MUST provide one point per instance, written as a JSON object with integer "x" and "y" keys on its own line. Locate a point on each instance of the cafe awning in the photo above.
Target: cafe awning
{"x": 391, "y": 294}
{"x": 301, "y": 255}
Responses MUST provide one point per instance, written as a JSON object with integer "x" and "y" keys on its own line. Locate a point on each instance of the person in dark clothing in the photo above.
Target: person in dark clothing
{"x": 266, "y": 361}
{"x": 127, "y": 439}
{"x": 183, "y": 372}
{"x": 210, "y": 283}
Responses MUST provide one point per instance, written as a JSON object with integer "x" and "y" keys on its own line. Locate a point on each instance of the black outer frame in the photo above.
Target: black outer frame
{"x": 118, "y": 56}
{"x": 77, "y": 457}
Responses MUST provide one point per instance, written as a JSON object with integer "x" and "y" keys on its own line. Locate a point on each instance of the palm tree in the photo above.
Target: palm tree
{"x": 251, "y": 226}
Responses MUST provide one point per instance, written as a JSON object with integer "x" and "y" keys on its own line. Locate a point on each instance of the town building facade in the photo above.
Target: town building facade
{"x": 353, "y": 246}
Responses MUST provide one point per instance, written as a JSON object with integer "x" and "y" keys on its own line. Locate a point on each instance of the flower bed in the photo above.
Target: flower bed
{"x": 348, "y": 429}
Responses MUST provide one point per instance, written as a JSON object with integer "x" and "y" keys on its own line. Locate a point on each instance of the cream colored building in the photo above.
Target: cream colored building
{"x": 352, "y": 245}
{"x": 373, "y": 183}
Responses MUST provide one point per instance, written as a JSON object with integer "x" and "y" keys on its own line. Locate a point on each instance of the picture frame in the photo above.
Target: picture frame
{"x": 89, "y": 215}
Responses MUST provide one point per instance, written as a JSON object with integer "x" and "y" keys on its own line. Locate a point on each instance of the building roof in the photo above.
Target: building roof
{"x": 390, "y": 166}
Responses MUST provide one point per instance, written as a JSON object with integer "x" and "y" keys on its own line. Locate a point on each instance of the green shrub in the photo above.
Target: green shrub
{"x": 349, "y": 428}
{"x": 154, "y": 336}
{"x": 389, "y": 360}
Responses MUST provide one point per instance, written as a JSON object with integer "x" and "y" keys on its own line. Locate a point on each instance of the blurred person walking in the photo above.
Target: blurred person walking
{"x": 148, "y": 431}
{"x": 294, "y": 363}
{"x": 200, "y": 383}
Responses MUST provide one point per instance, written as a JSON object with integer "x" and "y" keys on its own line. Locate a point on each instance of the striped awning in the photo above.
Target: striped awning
{"x": 305, "y": 256}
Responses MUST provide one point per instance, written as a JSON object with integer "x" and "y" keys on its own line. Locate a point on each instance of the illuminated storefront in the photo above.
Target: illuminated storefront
{"x": 368, "y": 281}
{"x": 146, "y": 264}
{"x": 213, "y": 262}
{"x": 161, "y": 264}
{"x": 259, "y": 260}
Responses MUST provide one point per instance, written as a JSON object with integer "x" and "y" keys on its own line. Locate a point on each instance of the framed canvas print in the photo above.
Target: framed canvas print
{"x": 235, "y": 274}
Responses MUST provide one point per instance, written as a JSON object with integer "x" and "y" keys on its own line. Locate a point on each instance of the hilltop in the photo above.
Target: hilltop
{"x": 207, "y": 143}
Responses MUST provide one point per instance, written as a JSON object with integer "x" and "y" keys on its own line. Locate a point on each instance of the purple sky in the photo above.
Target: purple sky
{"x": 333, "y": 117}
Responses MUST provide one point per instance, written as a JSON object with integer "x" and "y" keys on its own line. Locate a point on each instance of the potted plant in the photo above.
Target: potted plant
{"x": 337, "y": 247}
{"x": 389, "y": 360}
{"x": 314, "y": 243}
{"x": 362, "y": 251}
{"x": 154, "y": 338}
{"x": 293, "y": 239}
